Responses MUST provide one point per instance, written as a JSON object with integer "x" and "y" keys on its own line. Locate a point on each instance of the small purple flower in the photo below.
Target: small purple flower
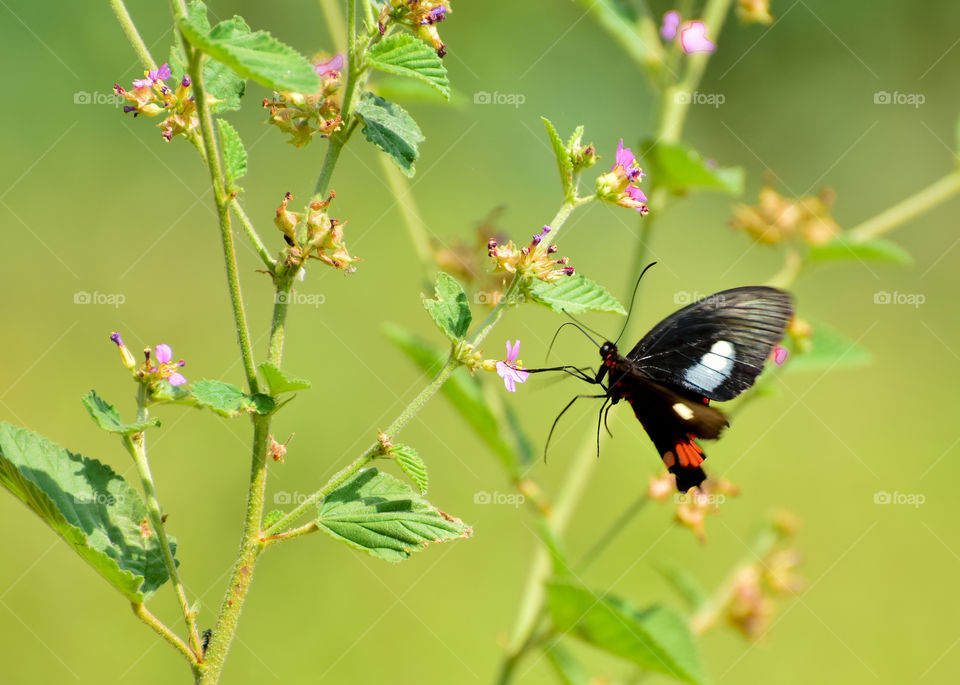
{"x": 780, "y": 355}
{"x": 153, "y": 76}
{"x": 435, "y": 16}
{"x": 636, "y": 194}
{"x": 510, "y": 374}
{"x": 167, "y": 367}
{"x": 540, "y": 236}
{"x": 671, "y": 20}
{"x": 332, "y": 65}
{"x": 693, "y": 38}
{"x": 626, "y": 160}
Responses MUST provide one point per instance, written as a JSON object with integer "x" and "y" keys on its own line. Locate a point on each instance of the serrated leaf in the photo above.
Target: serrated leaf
{"x": 95, "y": 510}
{"x": 407, "y": 90}
{"x": 564, "y": 163}
{"x": 228, "y": 400}
{"x": 253, "y": 54}
{"x": 871, "y": 250}
{"x": 412, "y": 465}
{"x": 107, "y": 417}
{"x": 574, "y": 294}
{"x": 449, "y": 308}
{"x": 219, "y": 80}
{"x": 656, "y": 639}
{"x": 828, "y": 348}
{"x": 461, "y": 389}
{"x": 376, "y": 513}
{"x": 686, "y": 585}
{"x": 234, "y": 154}
{"x": 388, "y": 126}
{"x": 404, "y": 55}
{"x": 278, "y": 381}
{"x": 680, "y": 168}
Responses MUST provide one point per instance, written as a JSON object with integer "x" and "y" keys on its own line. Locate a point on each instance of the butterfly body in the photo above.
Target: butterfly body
{"x": 713, "y": 349}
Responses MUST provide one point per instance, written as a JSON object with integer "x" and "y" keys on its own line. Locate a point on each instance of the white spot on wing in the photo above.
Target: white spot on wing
{"x": 713, "y": 368}
{"x": 683, "y": 411}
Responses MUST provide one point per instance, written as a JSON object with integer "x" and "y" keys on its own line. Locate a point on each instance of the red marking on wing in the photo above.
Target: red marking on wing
{"x": 688, "y": 453}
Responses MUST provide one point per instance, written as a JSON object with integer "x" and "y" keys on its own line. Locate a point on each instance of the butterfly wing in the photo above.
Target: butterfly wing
{"x": 715, "y": 348}
{"x": 672, "y": 420}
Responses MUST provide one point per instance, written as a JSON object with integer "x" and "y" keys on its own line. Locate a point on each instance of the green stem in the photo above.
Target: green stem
{"x": 639, "y": 42}
{"x": 163, "y": 631}
{"x": 400, "y": 187}
{"x": 889, "y": 219}
{"x": 137, "y": 447}
{"x": 222, "y": 200}
{"x": 792, "y": 266}
{"x": 611, "y": 533}
{"x": 336, "y": 25}
{"x": 130, "y": 29}
{"x": 252, "y": 234}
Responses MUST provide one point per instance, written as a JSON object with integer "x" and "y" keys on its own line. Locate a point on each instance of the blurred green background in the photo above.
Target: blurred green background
{"x": 95, "y": 201}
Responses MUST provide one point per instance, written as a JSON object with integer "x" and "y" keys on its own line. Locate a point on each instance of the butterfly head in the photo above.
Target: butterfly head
{"x": 609, "y": 353}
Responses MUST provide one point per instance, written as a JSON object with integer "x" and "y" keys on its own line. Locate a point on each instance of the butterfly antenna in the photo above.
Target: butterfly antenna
{"x": 633, "y": 297}
{"x": 576, "y": 325}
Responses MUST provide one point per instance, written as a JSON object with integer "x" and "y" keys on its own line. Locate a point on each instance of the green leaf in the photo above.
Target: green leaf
{"x": 389, "y": 127}
{"x": 573, "y": 295}
{"x": 412, "y": 465}
{"x": 828, "y": 349}
{"x": 871, "y": 250}
{"x": 220, "y": 80}
{"x": 229, "y": 400}
{"x": 108, "y": 418}
{"x": 272, "y": 518}
{"x": 449, "y": 308}
{"x": 234, "y": 154}
{"x": 95, "y": 510}
{"x": 376, "y": 513}
{"x": 686, "y": 585}
{"x": 680, "y": 168}
{"x": 279, "y": 382}
{"x": 254, "y": 55}
{"x": 568, "y": 670}
{"x": 404, "y": 55}
{"x": 462, "y": 389}
{"x": 564, "y": 163}
{"x": 407, "y": 90}
{"x": 656, "y": 639}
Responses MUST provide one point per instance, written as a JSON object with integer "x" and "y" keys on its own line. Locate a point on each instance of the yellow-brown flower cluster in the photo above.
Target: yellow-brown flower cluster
{"x": 777, "y": 219}
{"x": 151, "y": 97}
{"x": 694, "y": 505}
{"x": 755, "y": 11}
{"x": 751, "y": 607}
{"x": 535, "y": 259}
{"x": 314, "y": 235}
{"x": 304, "y": 115}
{"x": 422, "y": 16}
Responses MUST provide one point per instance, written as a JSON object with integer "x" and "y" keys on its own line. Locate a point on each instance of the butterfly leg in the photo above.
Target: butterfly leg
{"x": 560, "y": 415}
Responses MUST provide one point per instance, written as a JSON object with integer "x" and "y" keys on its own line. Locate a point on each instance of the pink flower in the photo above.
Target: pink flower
{"x": 671, "y": 20}
{"x": 166, "y": 367}
{"x": 153, "y": 76}
{"x": 780, "y": 355}
{"x": 693, "y": 38}
{"x": 510, "y": 374}
{"x": 332, "y": 65}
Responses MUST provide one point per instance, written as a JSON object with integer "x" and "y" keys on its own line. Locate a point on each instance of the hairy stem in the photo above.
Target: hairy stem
{"x": 248, "y": 228}
{"x": 163, "y": 631}
{"x": 130, "y": 30}
{"x": 400, "y": 187}
{"x": 918, "y": 203}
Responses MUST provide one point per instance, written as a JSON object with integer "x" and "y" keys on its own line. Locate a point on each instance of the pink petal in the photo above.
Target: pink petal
{"x": 780, "y": 355}
{"x": 176, "y": 379}
{"x": 671, "y": 20}
{"x": 164, "y": 353}
{"x": 512, "y": 353}
{"x": 693, "y": 38}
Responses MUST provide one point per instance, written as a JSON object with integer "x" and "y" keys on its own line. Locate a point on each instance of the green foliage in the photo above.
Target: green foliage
{"x": 686, "y": 585}
{"x": 564, "y": 163}
{"x": 449, "y": 308}
{"x": 228, "y": 400}
{"x": 565, "y": 665}
{"x": 389, "y": 127}
{"x": 95, "y": 510}
{"x": 376, "y": 513}
{"x": 234, "y": 153}
{"x": 680, "y": 168}
{"x": 108, "y": 418}
{"x": 463, "y": 391}
{"x": 871, "y": 250}
{"x": 412, "y": 465}
{"x": 278, "y": 381}
{"x": 404, "y": 55}
{"x": 251, "y": 54}
{"x": 272, "y": 518}
{"x": 828, "y": 349}
{"x": 396, "y": 88}
{"x": 574, "y": 294}
{"x": 656, "y": 639}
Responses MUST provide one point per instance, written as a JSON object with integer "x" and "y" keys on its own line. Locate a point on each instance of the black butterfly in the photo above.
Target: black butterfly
{"x": 713, "y": 349}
